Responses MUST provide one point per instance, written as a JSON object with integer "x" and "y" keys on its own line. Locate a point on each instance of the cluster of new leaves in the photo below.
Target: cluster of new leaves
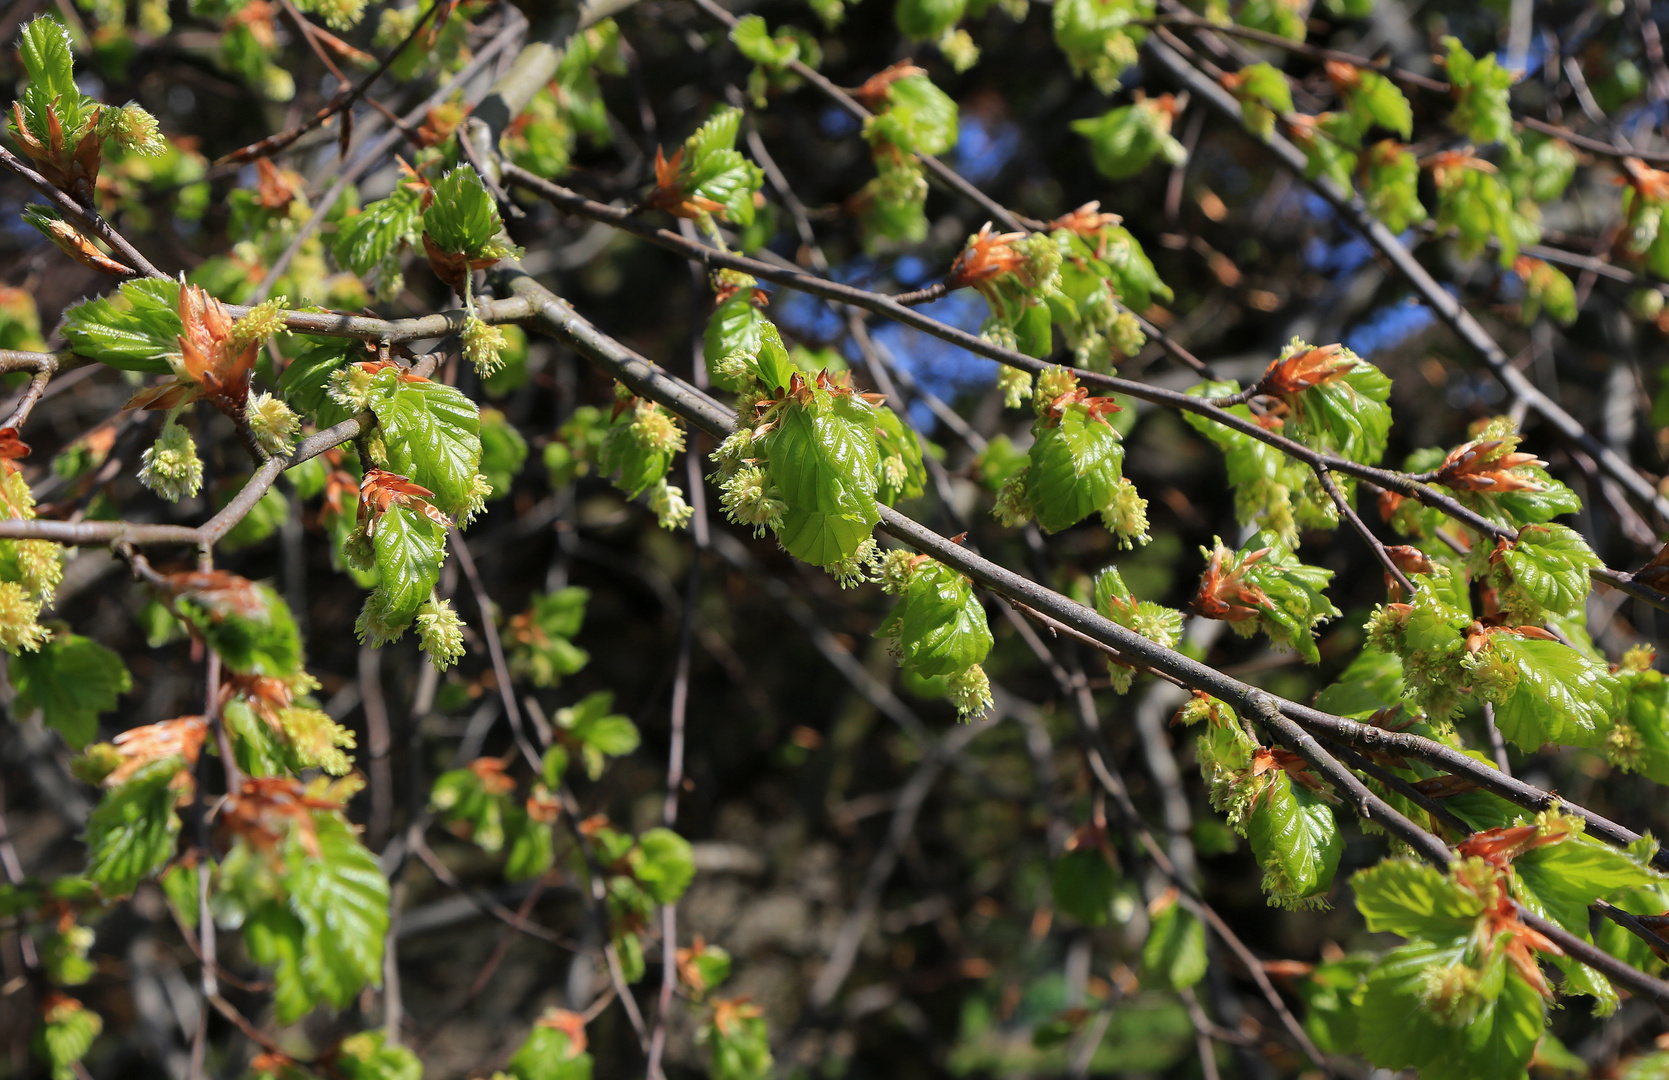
{"x": 912, "y": 116}
{"x": 937, "y": 628}
{"x": 1327, "y": 398}
{"x": 1100, "y": 37}
{"x": 1270, "y": 797}
{"x": 1467, "y": 995}
{"x": 1073, "y": 468}
{"x": 478, "y": 803}
{"x": 1153, "y": 621}
{"x": 772, "y": 55}
{"x": 708, "y": 177}
{"x": 64, "y": 132}
{"x": 1086, "y": 273}
{"x": 542, "y": 139}
{"x": 811, "y": 457}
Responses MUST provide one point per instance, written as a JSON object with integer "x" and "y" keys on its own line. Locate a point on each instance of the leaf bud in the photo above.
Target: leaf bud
{"x": 274, "y": 424}
{"x": 171, "y": 467}
{"x": 441, "y": 632}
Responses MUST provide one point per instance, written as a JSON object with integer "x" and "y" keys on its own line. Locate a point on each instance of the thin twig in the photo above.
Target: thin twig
{"x": 344, "y": 100}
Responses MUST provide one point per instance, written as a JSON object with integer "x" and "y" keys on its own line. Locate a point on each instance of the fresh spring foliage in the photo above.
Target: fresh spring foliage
{"x": 329, "y": 413}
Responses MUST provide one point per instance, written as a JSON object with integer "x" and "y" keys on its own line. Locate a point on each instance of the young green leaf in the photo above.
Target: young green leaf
{"x": 1098, "y": 38}
{"x": 137, "y": 328}
{"x": 132, "y": 831}
{"x": 1481, "y": 87}
{"x": 1544, "y": 691}
{"x": 1174, "y": 954}
{"x": 1296, "y": 841}
{"x": 1125, "y": 140}
{"x": 431, "y": 434}
{"x": 71, "y": 680}
{"x": 541, "y": 645}
{"x": 554, "y": 1050}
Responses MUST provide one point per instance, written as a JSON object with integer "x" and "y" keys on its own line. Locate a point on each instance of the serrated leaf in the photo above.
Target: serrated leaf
{"x": 1296, "y": 840}
{"x": 713, "y": 169}
{"x": 369, "y": 241}
{"x": 823, "y": 459}
{"x": 253, "y": 633}
{"x": 741, "y": 344}
{"x": 1401, "y": 896}
{"x": 432, "y": 434}
{"x": 939, "y": 623}
{"x": 137, "y": 328}
{"x": 305, "y": 382}
{"x": 1545, "y": 691}
{"x": 918, "y": 118}
{"x": 1174, "y": 954}
{"x": 71, "y": 680}
{"x": 340, "y": 897}
{"x": 1346, "y": 415}
{"x": 1075, "y": 469}
{"x": 1399, "y": 1029}
{"x": 1373, "y": 681}
{"x": 44, "y": 48}
{"x": 409, "y": 549}
{"x": 131, "y": 833}
{"x": 1549, "y": 565}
